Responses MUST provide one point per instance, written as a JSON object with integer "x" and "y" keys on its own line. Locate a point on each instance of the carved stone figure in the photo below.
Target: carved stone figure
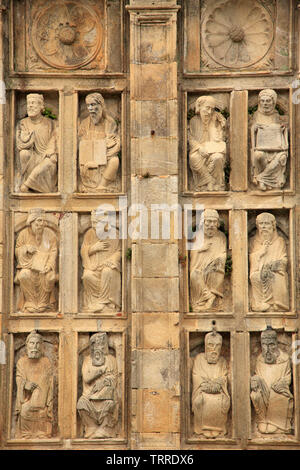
{"x": 36, "y": 254}
{"x": 34, "y": 402}
{"x": 268, "y": 267}
{"x": 206, "y": 137}
{"x": 98, "y": 148}
{"x": 36, "y": 142}
{"x": 207, "y": 265}
{"x": 98, "y": 404}
{"x": 270, "y": 387}
{"x": 269, "y": 144}
{"x": 210, "y": 397}
{"x": 101, "y": 259}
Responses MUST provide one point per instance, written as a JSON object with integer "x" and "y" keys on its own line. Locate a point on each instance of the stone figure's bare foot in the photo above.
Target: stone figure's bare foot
{"x": 24, "y": 188}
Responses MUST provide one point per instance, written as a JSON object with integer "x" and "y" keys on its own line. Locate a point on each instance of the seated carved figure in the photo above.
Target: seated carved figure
{"x": 36, "y": 142}
{"x": 268, "y": 265}
{"x": 270, "y": 387}
{"x": 98, "y": 405}
{"x": 101, "y": 259}
{"x": 210, "y": 397}
{"x": 207, "y": 265}
{"x": 206, "y": 137}
{"x": 34, "y": 402}
{"x": 36, "y": 253}
{"x": 99, "y": 145}
{"x": 269, "y": 142}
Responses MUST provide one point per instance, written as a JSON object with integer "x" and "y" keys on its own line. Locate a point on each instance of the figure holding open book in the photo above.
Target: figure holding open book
{"x": 99, "y": 145}
{"x": 36, "y": 253}
{"x": 269, "y": 144}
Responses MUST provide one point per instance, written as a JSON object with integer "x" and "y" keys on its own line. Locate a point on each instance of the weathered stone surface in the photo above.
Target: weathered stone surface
{"x": 165, "y": 298}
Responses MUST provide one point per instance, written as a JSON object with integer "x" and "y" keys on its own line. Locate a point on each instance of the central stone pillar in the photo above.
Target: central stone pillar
{"x": 154, "y": 185}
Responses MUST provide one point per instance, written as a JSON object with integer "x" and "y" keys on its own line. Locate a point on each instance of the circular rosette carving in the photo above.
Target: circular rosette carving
{"x": 67, "y": 36}
{"x": 237, "y": 33}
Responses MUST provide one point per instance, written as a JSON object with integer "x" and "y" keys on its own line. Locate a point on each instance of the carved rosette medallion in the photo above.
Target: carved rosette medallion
{"x": 68, "y": 35}
{"x": 237, "y": 33}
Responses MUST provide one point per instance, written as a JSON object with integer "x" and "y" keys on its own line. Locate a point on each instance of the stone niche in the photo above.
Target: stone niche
{"x": 35, "y": 142}
{"x": 34, "y": 409}
{"x": 207, "y": 167}
{"x": 272, "y": 387}
{"x": 73, "y": 36}
{"x": 101, "y": 272}
{"x": 271, "y": 262}
{"x": 209, "y": 388}
{"x": 270, "y": 141}
{"x": 99, "y": 143}
{"x": 208, "y": 272}
{"x": 102, "y": 416}
{"x": 35, "y": 262}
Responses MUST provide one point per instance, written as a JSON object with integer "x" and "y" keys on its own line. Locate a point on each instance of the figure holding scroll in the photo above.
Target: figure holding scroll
{"x": 269, "y": 144}
{"x": 99, "y": 145}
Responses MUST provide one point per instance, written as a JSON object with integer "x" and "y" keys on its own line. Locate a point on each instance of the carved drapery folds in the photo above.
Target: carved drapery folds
{"x": 36, "y": 253}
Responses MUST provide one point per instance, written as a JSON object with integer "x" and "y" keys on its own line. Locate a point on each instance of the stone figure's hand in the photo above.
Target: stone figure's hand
{"x": 280, "y": 386}
{"x": 110, "y": 264}
{"x": 107, "y": 382}
{"x": 31, "y": 249}
{"x": 111, "y": 141}
{"x": 99, "y": 246}
{"x": 46, "y": 270}
{"x": 53, "y": 158}
{"x": 30, "y": 386}
{"x": 205, "y": 387}
{"x": 254, "y": 383}
{"x": 25, "y": 135}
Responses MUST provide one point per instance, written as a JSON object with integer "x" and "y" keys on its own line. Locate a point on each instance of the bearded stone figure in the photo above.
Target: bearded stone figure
{"x": 101, "y": 260}
{"x": 34, "y": 402}
{"x": 99, "y": 144}
{"x": 206, "y": 138}
{"x": 269, "y": 144}
{"x": 268, "y": 267}
{"x": 36, "y": 253}
{"x": 207, "y": 265}
{"x": 270, "y": 387}
{"x": 210, "y": 397}
{"x": 98, "y": 405}
{"x": 36, "y": 142}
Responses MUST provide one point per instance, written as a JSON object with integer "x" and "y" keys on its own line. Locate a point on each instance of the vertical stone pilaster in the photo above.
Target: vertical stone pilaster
{"x": 155, "y": 276}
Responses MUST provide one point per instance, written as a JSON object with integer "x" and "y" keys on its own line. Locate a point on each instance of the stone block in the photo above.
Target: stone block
{"x": 157, "y": 369}
{"x": 165, "y": 325}
{"x": 155, "y": 260}
{"x": 155, "y": 295}
{"x": 154, "y": 156}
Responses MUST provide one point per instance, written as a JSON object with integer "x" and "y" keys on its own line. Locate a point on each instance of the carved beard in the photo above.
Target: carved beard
{"x": 212, "y": 357}
{"x": 34, "y": 354}
{"x": 271, "y": 358}
{"x": 98, "y": 358}
{"x": 267, "y": 234}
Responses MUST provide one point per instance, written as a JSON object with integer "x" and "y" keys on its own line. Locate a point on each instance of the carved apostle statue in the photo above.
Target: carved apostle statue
{"x": 207, "y": 146}
{"x": 37, "y": 145}
{"x": 99, "y": 144}
{"x": 34, "y": 401}
{"x": 36, "y": 253}
{"x": 270, "y": 387}
{"x": 101, "y": 260}
{"x": 269, "y": 144}
{"x": 268, "y": 267}
{"x": 210, "y": 397}
{"x": 98, "y": 405}
{"x": 207, "y": 265}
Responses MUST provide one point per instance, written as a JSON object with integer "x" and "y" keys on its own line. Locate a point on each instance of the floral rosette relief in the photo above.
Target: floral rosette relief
{"x": 237, "y": 33}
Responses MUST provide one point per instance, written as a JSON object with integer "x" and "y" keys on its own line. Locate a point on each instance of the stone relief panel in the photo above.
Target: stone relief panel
{"x": 210, "y": 386}
{"x": 36, "y": 262}
{"x": 271, "y": 384}
{"x": 269, "y": 269}
{"x": 210, "y": 265}
{"x": 36, "y": 143}
{"x": 99, "y": 144}
{"x": 35, "y": 386}
{"x": 101, "y": 264}
{"x": 269, "y": 139}
{"x": 207, "y": 142}
{"x": 100, "y": 385}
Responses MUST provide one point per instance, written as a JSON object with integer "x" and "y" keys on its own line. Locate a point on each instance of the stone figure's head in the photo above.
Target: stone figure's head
{"x": 267, "y": 101}
{"x": 34, "y": 344}
{"x": 266, "y": 225}
{"x": 205, "y": 107}
{"x": 99, "y": 348}
{"x": 96, "y": 106}
{"x": 269, "y": 346}
{"x": 36, "y": 219}
{"x": 213, "y": 346}
{"x": 104, "y": 223}
{"x": 211, "y": 222}
{"x": 35, "y": 104}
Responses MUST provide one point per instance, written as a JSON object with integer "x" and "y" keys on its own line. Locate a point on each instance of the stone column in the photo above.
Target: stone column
{"x": 154, "y": 183}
